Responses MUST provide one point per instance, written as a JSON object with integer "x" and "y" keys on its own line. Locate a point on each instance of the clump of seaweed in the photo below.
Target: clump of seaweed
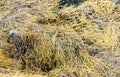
{"x": 70, "y": 41}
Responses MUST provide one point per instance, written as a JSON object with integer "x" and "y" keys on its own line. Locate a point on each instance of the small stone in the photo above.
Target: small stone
{"x": 14, "y": 32}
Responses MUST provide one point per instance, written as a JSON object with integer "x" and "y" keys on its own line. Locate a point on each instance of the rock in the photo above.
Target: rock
{"x": 12, "y": 33}
{"x": 15, "y": 32}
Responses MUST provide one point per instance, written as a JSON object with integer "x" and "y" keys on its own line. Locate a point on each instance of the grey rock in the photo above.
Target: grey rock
{"x": 11, "y": 34}
{"x": 15, "y": 32}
